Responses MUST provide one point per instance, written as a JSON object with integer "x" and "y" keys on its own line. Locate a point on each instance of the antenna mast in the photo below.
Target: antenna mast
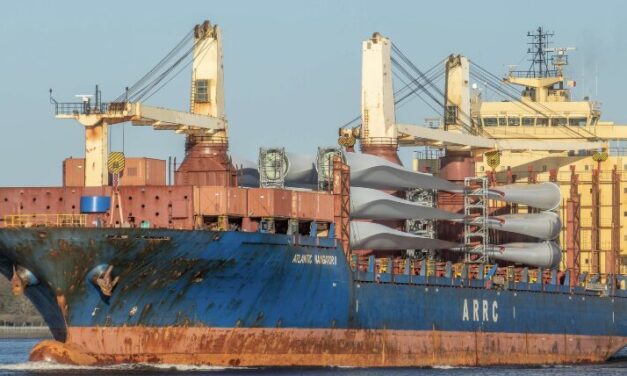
{"x": 539, "y": 51}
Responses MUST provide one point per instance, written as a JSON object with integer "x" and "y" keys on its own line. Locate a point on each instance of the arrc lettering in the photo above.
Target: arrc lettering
{"x": 488, "y": 309}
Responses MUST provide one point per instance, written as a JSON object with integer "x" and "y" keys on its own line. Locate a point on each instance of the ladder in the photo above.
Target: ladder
{"x": 476, "y": 232}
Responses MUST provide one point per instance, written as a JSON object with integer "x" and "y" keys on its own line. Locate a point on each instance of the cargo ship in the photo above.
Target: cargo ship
{"x": 344, "y": 258}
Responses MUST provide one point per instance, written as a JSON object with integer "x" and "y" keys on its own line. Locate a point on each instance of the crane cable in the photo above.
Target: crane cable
{"x": 467, "y": 127}
{"x": 200, "y": 58}
{"x": 415, "y": 68}
{"x": 168, "y": 57}
{"x": 355, "y": 120}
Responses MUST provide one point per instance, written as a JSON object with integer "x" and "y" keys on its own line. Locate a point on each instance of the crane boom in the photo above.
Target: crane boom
{"x": 205, "y": 121}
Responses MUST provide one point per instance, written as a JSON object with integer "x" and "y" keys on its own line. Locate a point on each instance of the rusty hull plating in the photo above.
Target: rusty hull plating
{"x": 250, "y": 347}
{"x": 254, "y": 299}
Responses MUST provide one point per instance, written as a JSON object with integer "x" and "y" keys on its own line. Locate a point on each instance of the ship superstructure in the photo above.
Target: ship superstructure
{"x": 337, "y": 259}
{"x": 541, "y": 134}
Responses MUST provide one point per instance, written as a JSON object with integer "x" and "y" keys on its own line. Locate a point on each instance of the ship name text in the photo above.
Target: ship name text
{"x": 314, "y": 259}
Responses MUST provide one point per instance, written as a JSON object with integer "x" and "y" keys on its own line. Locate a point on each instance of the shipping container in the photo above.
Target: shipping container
{"x": 214, "y": 201}
{"x": 137, "y": 171}
{"x": 166, "y": 207}
{"x": 269, "y": 202}
{"x": 143, "y": 171}
{"x": 312, "y": 205}
{"x": 74, "y": 172}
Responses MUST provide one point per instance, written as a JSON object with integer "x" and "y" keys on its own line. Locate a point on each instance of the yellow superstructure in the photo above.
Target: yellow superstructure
{"x": 545, "y": 114}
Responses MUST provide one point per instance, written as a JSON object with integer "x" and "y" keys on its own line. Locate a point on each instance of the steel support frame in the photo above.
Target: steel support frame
{"x": 341, "y": 203}
{"x": 595, "y": 222}
{"x": 573, "y": 229}
{"x": 612, "y": 258}
{"x": 476, "y": 207}
{"x": 421, "y": 227}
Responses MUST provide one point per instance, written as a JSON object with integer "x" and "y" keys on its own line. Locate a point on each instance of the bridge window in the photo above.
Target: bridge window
{"x": 202, "y": 91}
{"x": 513, "y": 121}
{"x": 489, "y": 122}
{"x": 558, "y": 122}
{"x": 528, "y": 121}
{"x": 577, "y": 122}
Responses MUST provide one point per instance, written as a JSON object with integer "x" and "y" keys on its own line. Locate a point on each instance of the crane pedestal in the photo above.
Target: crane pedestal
{"x": 387, "y": 152}
{"x": 206, "y": 163}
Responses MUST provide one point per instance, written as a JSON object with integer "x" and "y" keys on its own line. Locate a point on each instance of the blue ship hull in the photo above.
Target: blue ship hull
{"x": 235, "y": 298}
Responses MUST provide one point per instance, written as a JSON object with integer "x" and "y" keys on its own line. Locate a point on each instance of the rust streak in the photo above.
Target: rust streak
{"x": 319, "y": 347}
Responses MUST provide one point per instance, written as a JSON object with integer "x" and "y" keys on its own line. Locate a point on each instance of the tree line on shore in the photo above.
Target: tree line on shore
{"x": 14, "y": 309}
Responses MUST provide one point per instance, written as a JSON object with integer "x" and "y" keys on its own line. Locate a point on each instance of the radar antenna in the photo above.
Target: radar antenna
{"x": 560, "y": 58}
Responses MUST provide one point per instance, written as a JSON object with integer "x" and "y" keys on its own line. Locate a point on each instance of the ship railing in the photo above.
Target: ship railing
{"x": 534, "y": 74}
{"x": 563, "y": 177}
{"x": 379, "y": 141}
{"x": 429, "y": 272}
{"x": 85, "y": 108}
{"x": 429, "y": 154}
{"x": 604, "y": 222}
{"x": 45, "y": 220}
{"x": 560, "y": 131}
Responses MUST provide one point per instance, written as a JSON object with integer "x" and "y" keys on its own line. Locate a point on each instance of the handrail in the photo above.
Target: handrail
{"x": 45, "y": 220}
{"x": 85, "y": 108}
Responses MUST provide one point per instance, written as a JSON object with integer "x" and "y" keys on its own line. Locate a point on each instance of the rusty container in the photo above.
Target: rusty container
{"x": 154, "y": 206}
{"x": 269, "y": 202}
{"x": 312, "y": 205}
{"x": 71, "y": 199}
{"x": 214, "y": 201}
{"x": 144, "y": 172}
{"x": 74, "y": 172}
{"x": 455, "y": 166}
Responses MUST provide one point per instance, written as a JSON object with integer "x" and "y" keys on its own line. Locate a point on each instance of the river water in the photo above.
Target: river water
{"x": 14, "y": 354}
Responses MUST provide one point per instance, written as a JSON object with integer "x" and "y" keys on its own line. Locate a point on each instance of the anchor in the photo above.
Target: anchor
{"x": 21, "y": 279}
{"x": 17, "y": 284}
{"x": 105, "y": 282}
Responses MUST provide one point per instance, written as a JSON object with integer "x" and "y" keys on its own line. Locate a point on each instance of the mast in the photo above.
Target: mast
{"x": 539, "y": 81}
{"x": 457, "y": 93}
{"x": 206, "y": 160}
{"x": 378, "y": 131}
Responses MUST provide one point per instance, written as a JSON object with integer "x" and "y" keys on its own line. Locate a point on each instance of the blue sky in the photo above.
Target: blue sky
{"x": 292, "y": 68}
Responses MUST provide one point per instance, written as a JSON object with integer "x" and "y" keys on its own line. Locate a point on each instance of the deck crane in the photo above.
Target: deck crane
{"x": 205, "y": 124}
